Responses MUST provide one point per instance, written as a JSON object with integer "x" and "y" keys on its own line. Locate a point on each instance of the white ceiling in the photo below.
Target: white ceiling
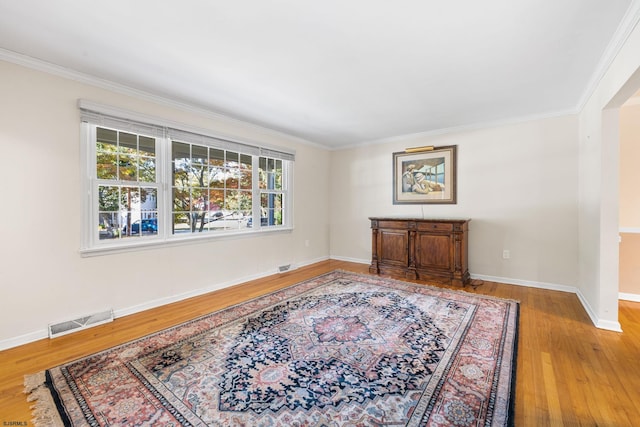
{"x": 335, "y": 72}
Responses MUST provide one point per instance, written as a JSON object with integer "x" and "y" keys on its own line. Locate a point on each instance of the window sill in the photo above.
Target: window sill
{"x": 157, "y": 243}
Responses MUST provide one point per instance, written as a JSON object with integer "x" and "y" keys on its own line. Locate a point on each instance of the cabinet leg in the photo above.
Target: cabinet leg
{"x": 373, "y": 268}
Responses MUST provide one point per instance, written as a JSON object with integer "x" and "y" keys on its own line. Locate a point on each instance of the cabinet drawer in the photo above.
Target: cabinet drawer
{"x": 398, "y": 225}
{"x": 434, "y": 226}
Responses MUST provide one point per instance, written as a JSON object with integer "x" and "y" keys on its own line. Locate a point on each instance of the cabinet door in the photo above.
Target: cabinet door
{"x": 434, "y": 251}
{"x": 393, "y": 247}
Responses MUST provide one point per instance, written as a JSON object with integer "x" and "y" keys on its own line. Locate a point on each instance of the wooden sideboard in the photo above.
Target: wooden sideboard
{"x": 425, "y": 249}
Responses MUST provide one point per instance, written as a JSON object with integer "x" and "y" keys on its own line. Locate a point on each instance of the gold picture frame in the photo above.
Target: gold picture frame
{"x": 425, "y": 175}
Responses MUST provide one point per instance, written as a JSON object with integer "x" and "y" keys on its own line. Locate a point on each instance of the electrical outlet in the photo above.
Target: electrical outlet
{"x": 506, "y": 254}
{"x": 306, "y": 243}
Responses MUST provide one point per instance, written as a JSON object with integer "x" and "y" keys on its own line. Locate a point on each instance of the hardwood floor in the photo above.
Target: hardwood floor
{"x": 569, "y": 373}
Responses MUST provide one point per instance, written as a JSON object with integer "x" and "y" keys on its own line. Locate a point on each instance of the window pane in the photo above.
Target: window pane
{"x": 245, "y": 200}
{"x": 199, "y": 154}
{"x": 130, "y": 198}
{"x": 181, "y": 223}
{"x": 232, "y": 201}
{"x": 108, "y": 198}
{"x": 149, "y": 199}
{"x": 232, "y": 178}
{"x": 128, "y": 166}
{"x": 180, "y": 176}
{"x": 245, "y": 172}
{"x": 128, "y": 143}
{"x": 106, "y": 165}
{"x": 198, "y": 201}
{"x": 148, "y": 224}
{"x": 278, "y": 209}
{"x": 262, "y": 173}
{"x": 198, "y": 175}
{"x": 106, "y": 137}
{"x": 147, "y": 146}
{"x": 106, "y": 154}
{"x": 216, "y": 177}
{"x": 129, "y": 218}
{"x": 181, "y": 199}
{"x": 216, "y": 200}
{"x": 216, "y": 157}
{"x": 232, "y": 159}
{"x": 180, "y": 151}
{"x": 226, "y": 220}
{"x": 147, "y": 172}
{"x": 278, "y": 175}
{"x": 108, "y": 226}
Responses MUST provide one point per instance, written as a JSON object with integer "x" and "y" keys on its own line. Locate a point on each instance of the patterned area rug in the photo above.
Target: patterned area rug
{"x": 341, "y": 349}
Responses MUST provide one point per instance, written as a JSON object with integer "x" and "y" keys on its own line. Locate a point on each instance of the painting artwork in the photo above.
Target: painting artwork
{"x": 426, "y": 175}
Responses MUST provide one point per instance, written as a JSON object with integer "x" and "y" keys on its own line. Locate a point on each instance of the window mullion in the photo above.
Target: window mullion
{"x": 256, "y": 219}
{"x": 164, "y": 179}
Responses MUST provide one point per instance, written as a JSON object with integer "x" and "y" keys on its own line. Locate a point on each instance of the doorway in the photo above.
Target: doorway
{"x": 629, "y": 201}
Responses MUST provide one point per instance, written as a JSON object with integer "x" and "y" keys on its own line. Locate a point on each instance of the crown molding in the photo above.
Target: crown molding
{"x": 67, "y": 73}
{"x": 626, "y": 26}
{"x": 457, "y": 129}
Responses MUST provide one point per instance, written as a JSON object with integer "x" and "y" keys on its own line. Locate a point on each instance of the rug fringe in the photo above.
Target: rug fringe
{"x": 44, "y": 410}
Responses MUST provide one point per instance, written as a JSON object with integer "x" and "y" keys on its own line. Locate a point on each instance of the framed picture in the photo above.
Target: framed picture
{"x": 425, "y": 175}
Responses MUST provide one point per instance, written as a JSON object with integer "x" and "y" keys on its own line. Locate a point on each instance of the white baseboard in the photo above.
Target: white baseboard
{"x": 527, "y": 283}
{"x": 609, "y": 325}
{"x": 23, "y": 339}
{"x": 631, "y": 230}
{"x": 356, "y": 260}
{"x": 602, "y": 324}
{"x": 37, "y": 335}
{"x": 197, "y": 292}
{"x": 629, "y": 297}
{"x": 599, "y": 323}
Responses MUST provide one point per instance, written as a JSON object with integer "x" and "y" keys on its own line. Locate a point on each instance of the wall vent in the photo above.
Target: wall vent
{"x": 284, "y": 268}
{"x": 63, "y": 328}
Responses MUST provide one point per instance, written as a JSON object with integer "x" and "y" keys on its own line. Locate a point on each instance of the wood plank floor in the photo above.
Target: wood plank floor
{"x": 569, "y": 373}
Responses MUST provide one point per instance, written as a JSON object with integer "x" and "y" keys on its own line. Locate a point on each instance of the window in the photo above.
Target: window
{"x": 271, "y": 191}
{"x": 152, "y": 184}
{"x": 127, "y": 190}
{"x": 212, "y": 189}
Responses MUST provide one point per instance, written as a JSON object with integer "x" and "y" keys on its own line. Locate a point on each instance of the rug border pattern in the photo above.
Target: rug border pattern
{"x": 500, "y": 410}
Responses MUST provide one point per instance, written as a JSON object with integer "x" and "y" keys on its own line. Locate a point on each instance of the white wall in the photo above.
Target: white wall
{"x": 599, "y": 177}
{"x": 518, "y": 183}
{"x": 43, "y": 277}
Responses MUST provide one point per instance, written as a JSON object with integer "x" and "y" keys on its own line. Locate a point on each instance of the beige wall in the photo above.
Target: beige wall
{"x": 630, "y": 263}
{"x": 630, "y": 198}
{"x": 44, "y": 279}
{"x": 547, "y": 190}
{"x": 518, "y": 184}
{"x": 629, "y": 166}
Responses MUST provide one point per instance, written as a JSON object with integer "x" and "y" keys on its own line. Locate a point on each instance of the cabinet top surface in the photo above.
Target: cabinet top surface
{"x": 400, "y": 218}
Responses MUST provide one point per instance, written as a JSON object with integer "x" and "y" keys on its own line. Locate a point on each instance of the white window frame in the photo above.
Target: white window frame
{"x": 96, "y": 115}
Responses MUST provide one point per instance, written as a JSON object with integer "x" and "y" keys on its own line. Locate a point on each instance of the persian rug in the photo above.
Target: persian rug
{"x": 341, "y": 349}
